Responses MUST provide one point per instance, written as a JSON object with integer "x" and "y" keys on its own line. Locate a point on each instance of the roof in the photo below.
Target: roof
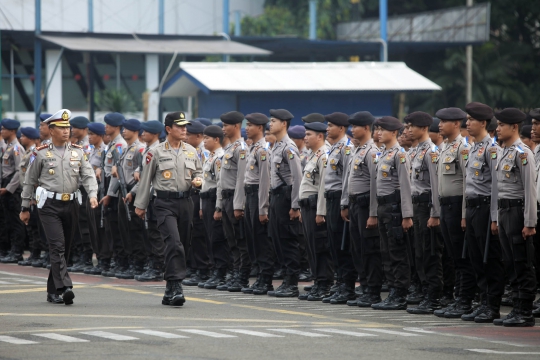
{"x": 294, "y": 77}
{"x": 160, "y": 45}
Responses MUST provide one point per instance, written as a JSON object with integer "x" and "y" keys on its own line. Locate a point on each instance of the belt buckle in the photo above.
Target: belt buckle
{"x": 65, "y": 197}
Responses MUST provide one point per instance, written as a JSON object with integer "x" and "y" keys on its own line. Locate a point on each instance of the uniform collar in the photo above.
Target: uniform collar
{"x": 284, "y": 140}
{"x": 168, "y": 146}
{"x": 117, "y": 138}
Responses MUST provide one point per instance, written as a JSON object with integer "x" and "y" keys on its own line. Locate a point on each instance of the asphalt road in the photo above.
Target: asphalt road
{"x": 124, "y": 319}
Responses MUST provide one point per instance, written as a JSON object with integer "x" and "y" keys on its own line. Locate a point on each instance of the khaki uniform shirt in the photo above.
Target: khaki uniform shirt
{"x": 424, "y": 174}
{"x": 167, "y": 170}
{"x": 258, "y": 173}
{"x": 129, "y": 160}
{"x": 285, "y": 161}
{"x": 59, "y": 173}
{"x": 537, "y": 159}
{"x": 112, "y": 147}
{"x": 233, "y": 168}
{"x": 313, "y": 179}
{"x": 337, "y": 166}
{"x": 211, "y": 172}
{"x": 11, "y": 160}
{"x": 94, "y": 158}
{"x": 25, "y": 162}
{"x": 452, "y": 160}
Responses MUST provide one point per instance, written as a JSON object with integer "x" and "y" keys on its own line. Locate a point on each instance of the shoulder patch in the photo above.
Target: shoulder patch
{"x": 347, "y": 150}
{"x": 493, "y": 152}
{"x": 465, "y": 154}
{"x": 41, "y": 147}
{"x": 523, "y": 158}
{"x": 148, "y": 157}
{"x": 402, "y": 157}
{"x": 263, "y": 155}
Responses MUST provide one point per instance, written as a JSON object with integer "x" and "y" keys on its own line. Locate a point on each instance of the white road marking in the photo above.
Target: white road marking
{"x": 6, "y": 283}
{"x": 60, "y": 337}
{"x": 298, "y": 332}
{"x": 391, "y": 332}
{"x": 207, "y": 333}
{"x": 108, "y": 335}
{"x": 419, "y": 330}
{"x": 160, "y": 334}
{"x": 253, "y": 333}
{"x": 13, "y": 340}
{"x": 345, "y": 332}
{"x": 487, "y": 351}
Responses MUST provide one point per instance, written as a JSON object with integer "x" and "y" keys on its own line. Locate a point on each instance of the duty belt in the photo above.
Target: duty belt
{"x": 508, "y": 203}
{"x": 303, "y": 202}
{"x": 422, "y": 198}
{"x": 251, "y": 189}
{"x": 477, "y": 201}
{"x": 225, "y": 194}
{"x": 358, "y": 197}
{"x": 332, "y": 194}
{"x": 212, "y": 193}
{"x": 172, "y": 194}
{"x": 60, "y": 196}
{"x": 280, "y": 189}
{"x": 449, "y": 200}
{"x": 394, "y": 198}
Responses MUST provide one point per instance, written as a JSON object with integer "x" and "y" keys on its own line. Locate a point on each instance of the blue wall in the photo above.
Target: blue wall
{"x": 298, "y": 103}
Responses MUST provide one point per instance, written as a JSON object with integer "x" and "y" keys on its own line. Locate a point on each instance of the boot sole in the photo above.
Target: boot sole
{"x": 178, "y": 301}
{"x": 68, "y": 297}
{"x": 527, "y": 324}
{"x": 484, "y": 321}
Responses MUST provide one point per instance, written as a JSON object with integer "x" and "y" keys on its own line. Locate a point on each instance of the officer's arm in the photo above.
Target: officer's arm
{"x": 239, "y": 192}
{"x": 296, "y": 173}
{"x": 198, "y": 169}
{"x": 219, "y": 185}
{"x": 527, "y": 178}
{"x": 88, "y": 177}
{"x": 321, "y": 200}
{"x": 372, "y": 167}
{"x": 434, "y": 181}
{"x": 404, "y": 185}
{"x": 143, "y": 198}
{"x": 30, "y": 180}
{"x": 264, "y": 182}
{"x": 462, "y": 163}
{"x": 492, "y": 163}
{"x": 15, "y": 180}
{"x": 136, "y": 159}
{"x": 346, "y": 160}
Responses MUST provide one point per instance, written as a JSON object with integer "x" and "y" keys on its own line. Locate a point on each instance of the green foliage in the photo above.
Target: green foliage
{"x": 115, "y": 100}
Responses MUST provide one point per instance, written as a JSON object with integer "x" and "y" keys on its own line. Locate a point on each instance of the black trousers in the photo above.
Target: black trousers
{"x": 432, "y": 263}
{"x": 489, "y": 276}
{"x": 113, "y": 229}
{"x": 98, "y": 236}
{"x": 199, "y": 244}
{"x": 449, "y": 273}
{"x": 318, "y": 247}
{"x": 366, "y": 247}
{"x": 394, "y": 247}
{"x": 343, "y": 260}
{"x": 58, "y": 219}
{"x": 219, "y": 251}
{"x": 451, "y": 215}
{"x": 82, "y": 242}
{"x": 284, "y": 231}
{"x": 132, "y": 233}
{"x": 516, "y": 250}
{"x": 174, "y": 223}
{"x": 153, "y": 243}
{"x": 33, "y": 230}
{"x": 235, "y": 234}
{"x": 537, "y": 250}
{"x": 15, "y": 231}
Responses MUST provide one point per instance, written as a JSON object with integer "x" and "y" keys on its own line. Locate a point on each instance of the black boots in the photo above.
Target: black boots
{"x": 322, "y": 290}
{"x": 241, "y": 281}
{"x": 35, "y": 255}
{"x": 174, "y": 294}
{"x": 84, "y": 263}
{"x": 344, "y": 294}
{"x": 491, "y": 313}
{"x": 197, "y": 278}
{"x": 371, "y": 296}
{"x": 427, "y": 306}
{"x": 264, "y": 285}
{"x": 217, "y": 279}
{"x": 523, "y": 316}
{"x": 55, "y": 299}
{"x": 290, "y": 289}
{"x": 395, "y": 301}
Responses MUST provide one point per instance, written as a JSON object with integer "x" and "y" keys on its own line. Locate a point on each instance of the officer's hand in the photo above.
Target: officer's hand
{"x": 105, "y": 201}
{"x": 3, "y": 191}
{"x": 294, "y": 214}
{"x": 140, "y": 212}
{"x": 93, "y": 203}
{"x": 25, "y": 217}
{"x": 345, "y": 215}
{"x": 98, "y": 174}
{"x": 114, "y": 171}
{"x": 263, "y": 219}
{"x": 319, "y": 219}
{"x": 200, "y": 214}
{"x": 406, "y": 224}
{"x": 197, "y": 182}
{"x": 238, "y": 214}
{"x": 128, "y": 198}
{"x": 463, "y": 224}
{"x": 433, "y": 222}
{"x": 528, "y": 231}
{"x": 137, "y": 176}
{"x": 218, "y": 215}
{"x": 494, "y": 228}
{"x": 371, "y": 222}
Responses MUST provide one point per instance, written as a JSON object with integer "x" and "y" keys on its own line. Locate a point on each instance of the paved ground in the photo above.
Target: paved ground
{"x": 121, "y": 319}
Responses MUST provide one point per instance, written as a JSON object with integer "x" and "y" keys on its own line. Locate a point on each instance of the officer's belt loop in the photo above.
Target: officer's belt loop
{"x": 212, "y": 193}
{"x": 478, "y": 201}
{"x": 251, "y": 189}
{"x": 508, "y": 203}
{"x": 172, "y": 194}
{"x": 422, "y": 198}
{"x": 394, "y": 198}
{"x": 225, "y": 194}
{"x": 332, "y": 194}
{"x": 449, "y": 200}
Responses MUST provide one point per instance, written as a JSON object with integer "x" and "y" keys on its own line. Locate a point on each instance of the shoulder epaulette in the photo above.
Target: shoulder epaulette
{"x": 77, "y": 146}
{"x": 41, "y": 147}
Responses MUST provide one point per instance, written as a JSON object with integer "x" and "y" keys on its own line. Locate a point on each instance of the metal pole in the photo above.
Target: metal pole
{"x": 91, "y": 101}
{"x": 118, "y": 72}
{"x": 237, "y": 23}
{"x": 48, "y": 83}
{"x": 1, "y": 100}
{"x": 468, "y": 71}
{"x": 90, "y": 15}
{"x": 383, "y": 19}
{"x": 225, "y": 23}
{"x": 312, "y": 19}
{"x": 37, "y": 63}
{"x": 161, "y": 17}
{"x": 12, "y": 78}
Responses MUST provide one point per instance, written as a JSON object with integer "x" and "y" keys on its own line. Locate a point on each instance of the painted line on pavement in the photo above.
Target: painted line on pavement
{"x": 60, "y": 337}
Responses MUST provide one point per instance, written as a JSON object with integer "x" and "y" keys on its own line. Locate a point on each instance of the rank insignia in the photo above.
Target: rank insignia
{"x": 191, "y": 154}
{"x": 167, "y": 146}
{"x": 218, "y": 164}
{"x": 49, "y": 154}
{"x": 476, "y": 164}
{"x": 167, "y": 174}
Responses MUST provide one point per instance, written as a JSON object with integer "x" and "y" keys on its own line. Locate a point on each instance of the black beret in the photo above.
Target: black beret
{"x": 281, "y": 114}
{"x": 11, "y": 124}
{"x": 535, "y": 113}
{"x": 195, "y": 127}
{"x": 464, "y": 124}
{"x": 419, "y": 118}
{"x": 479, "y": 111}
{"x": 257, "y": 119}
{"x": 297, "y": 132}
{"x": 316, "y": 126}
{"x": 163, "y": 134}
{"x": 389, "y": 123}
{"x": 526, "y": 131}
{"x": 153, "y": 127}
{"x": 44, "y": 117}
{"x": 30, "y": 132}
{"x": 97, "y": 128}
{"x": 232, "y": 117}
{"x": 132, "y": 125}
{"x": 220, "y": 124}
{"x": 177, "y": 117}
{"x": 114, "y": 119}
{"x": 213, "y": 131}
{"x": 79, "y": 122}
{"x": 435, "y": 126}
{"x": 452, "y": 113}
{"x": 204, "y": 121}
{"x": 361, "y": 118}
{"x": 492, "y": 125}
{"x": 267, "y": 127}
{"x": 314, "y": 117}
{"x": 510, "y": 116}
{"x": 338, "y": 118}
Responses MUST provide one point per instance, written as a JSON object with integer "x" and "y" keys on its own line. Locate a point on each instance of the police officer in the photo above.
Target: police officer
{"x": 30, "y": 139}
{"x": 394, "y": 213}
{"x": 231, "y": 195}
{"x": 172, "y": 168}
{"x": 113, "y": 126}
{"x": 198, "y": 251}
{"x": 10, "y": 192}
{"x": 284, "y": 210}
{"x": 56, "y": 170}
{"x": 100, "y": 244}
{"x": 316, "y": 117}
{"x": 131, "y": 228}
{"x": 535, "y": 137}
{"x": 154, "y": 244}
{"x": 297, "y": 134}
{"x": 257, "y": 187}
{"x": 218, "y": 250}
{"x": 453, "y": 156}
{"x": 44, "y": 132}
{"x": 517, "y": 214}
{"x": 362, "y": 211}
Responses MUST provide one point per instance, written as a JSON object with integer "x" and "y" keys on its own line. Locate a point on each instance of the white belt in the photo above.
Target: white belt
{"x": 60, "y": 196}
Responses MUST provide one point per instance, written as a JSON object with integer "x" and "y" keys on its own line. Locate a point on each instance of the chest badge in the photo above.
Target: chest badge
{"x": 506, "y": 168}
{"x": 49, "y": 154}
{"x": 507, "y": 175}
{"x": 167, "y": 174}
{"x": 308, "y": 175}
{"x": 476, "y": 164}
{"x": 384, "y": 174}
{"x": 447, "y": 167}
{"x": 51, "y": 171}
{"x": 476, "y": 173}
{"x": 74, "y": 154}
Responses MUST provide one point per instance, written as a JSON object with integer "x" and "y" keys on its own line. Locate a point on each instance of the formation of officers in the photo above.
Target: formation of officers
{"x": 440, "y": 213}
